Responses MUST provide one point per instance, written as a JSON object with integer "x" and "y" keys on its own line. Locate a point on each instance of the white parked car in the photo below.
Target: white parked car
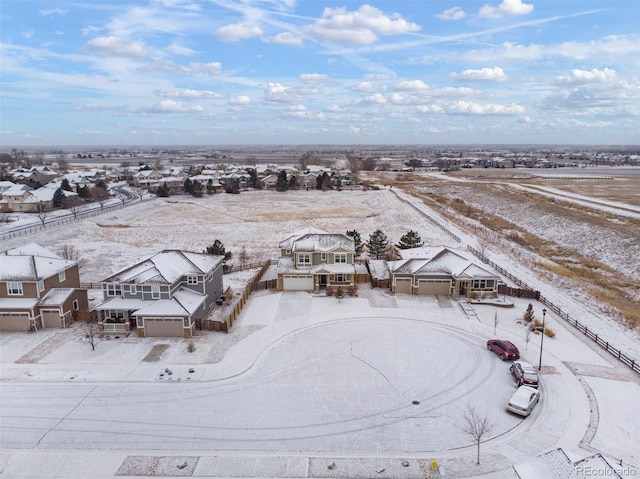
{"x": 523, "y": 400}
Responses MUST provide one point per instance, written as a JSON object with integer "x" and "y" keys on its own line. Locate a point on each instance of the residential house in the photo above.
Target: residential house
{"x": 313, "y": 259}
{"x": 439, "y": 270}
{"x": 147, "y": 178}
{"x": 39, "y": 289}
{"x": 166, "y": 294}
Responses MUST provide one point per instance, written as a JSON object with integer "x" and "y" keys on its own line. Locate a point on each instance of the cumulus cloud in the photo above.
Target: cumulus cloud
{"x": 508, "y": 8}
{"x": 362, "y": 26}
{"x": 189, "y": 94}
{"x": 285, "y": 38}
{"x": 314, "y": 77}
{"x": 170, "y": 106}
{"x": 470, "y": 108}
{"x": 589, "y": 76}
{"x": 239, "y": 100}
{"x": 411, "y": 85}
{"x": 237, "y": 31}
{"x": 367, "y": 87}
{"x": 117, "y": 47}
{"x": 454, "y": 13}
{"x": 375, "y": 99}
{"x": 484, "y": 74}
{"x": 277, "y": 92}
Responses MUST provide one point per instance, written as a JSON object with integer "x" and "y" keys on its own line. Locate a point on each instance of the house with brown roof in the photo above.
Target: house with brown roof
{"x": 39, "y": 289}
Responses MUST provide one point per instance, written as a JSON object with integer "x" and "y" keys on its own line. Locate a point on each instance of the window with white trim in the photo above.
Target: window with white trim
{"x": 340, "y": 278}
{"x": 155, "y": 292}
{"x": 14, "y": 288}
{"x": 114, "y": 290}
{"x": 41, "y": 286}
{"x": 340, "y": 258}
{"x": 76, "y": 305}
{"x": 192, "y": 280}
{"x": 323, "y": 256}
{"x": 133, "y": 289}
{"x": 304, "y": 258}
{"x": 62, "y": 275}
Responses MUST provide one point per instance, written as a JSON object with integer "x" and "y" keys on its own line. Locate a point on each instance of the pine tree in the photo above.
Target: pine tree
{"x": 357, "y": 241}
{"x": 217, "y": 248}
{"x": 410, "y": 240}
{"x": 197, "y": 189}
{"x": 282, "y": 184}
{"x": 65, "y": 184}
{"x": 188, "y": 184}
{"x": 377, "y": 244}
{"x": 58, "y": 198}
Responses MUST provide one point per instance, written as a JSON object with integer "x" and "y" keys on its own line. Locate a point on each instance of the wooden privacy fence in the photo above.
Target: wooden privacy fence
{"x": 634, "y": 364}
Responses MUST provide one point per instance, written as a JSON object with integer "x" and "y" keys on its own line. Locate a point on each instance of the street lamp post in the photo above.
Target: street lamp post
{"x": 544, "y": 313}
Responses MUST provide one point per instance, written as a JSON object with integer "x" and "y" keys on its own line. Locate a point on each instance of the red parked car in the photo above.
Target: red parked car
{"x": 504, "y": 349}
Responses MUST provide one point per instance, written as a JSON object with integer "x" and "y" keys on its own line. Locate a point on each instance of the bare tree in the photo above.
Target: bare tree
{"x": 100, "y": 195}
{"x": 140, "y": 191}
{"x": 42, "y": 212}
{"x": 122, "y": 196}
{"x": 74, "y": 204}
{"x": 243, "y": 256}
{"x": 89, "y": 332}
{"x": 69, "y": 252}
{"x": 476, "y": 425}
{"x": 63, "y": 164}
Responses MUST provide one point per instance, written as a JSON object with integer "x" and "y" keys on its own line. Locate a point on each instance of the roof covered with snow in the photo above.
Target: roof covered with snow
{"x": 166, "y": 267}
{"x": 31, "y": 263}
{"x": 313, "y": 239}
{"x": 439, "y": 260}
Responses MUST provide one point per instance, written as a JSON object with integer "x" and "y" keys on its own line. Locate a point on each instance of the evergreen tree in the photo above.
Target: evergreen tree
{"x": 83, "y": 192}
{"x": 282, "y": 184}
{"x": 217, "y": 248}
{"x": 210, "y": 188}
{"x": 377, "y": 244}
{"x": 326, "y": 182}
{"x": 65, "y": 185}
{"x": 187, "y": 185}
{"x": 410, "y": 240}
{"x": 58, "y": 198}
{"x": 293, "y": 183}
{"x": 357, "y": 241}
{"x": 163, "y": 191}
{"x": 197, "y": 190}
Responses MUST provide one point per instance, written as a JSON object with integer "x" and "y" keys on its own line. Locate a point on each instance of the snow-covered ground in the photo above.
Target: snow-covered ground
{"x": 302, "y": 382}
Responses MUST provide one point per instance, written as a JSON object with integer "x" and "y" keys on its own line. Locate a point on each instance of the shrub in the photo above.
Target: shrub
{"x": 191, "y": 347}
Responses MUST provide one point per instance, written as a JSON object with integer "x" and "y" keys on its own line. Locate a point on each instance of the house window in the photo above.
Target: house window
{"x": 192, "y": 280}
{"x": 155, "y": 292}
{"x": 76, "y": 305}
{"x": 340, "y": 278}
{"x": 186, "y": 322}
{"x": 62, "y": 275}
{"x": 41, "y": 286}
{"x": 116, "y": 314}
{"x": 133, "y": 289}
{"x": 340, "y": 258}
{"x": 304, "y": 258}
{"x": 114, "y": 290}
{"x": 483, "y": 283}
{"x": 323, "y": 256}
{"x": 14, "y": 289}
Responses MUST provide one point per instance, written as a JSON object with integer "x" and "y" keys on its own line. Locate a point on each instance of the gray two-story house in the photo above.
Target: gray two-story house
{"x": 312, "y": 260}
{"x": 164, "y": 295}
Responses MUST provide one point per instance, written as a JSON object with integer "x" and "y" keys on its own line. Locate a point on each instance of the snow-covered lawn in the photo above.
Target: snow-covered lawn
{"x": 302, "y": 381}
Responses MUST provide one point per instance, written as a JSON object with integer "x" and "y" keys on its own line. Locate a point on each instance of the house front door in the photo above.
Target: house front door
{"x": 323, "y": 281}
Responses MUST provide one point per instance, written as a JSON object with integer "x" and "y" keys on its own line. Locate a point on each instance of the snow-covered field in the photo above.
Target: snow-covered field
{"x": 303, "y": 381}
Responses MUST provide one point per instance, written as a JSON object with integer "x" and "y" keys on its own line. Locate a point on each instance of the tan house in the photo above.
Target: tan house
{"x": 39, "y": 289}
{"x": 312, "y": 260}
{"x": 439, "y": 270}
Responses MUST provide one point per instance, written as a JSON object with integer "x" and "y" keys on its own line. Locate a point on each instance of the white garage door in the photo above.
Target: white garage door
{"x": 14, "y": 322}
{"x": 434, "y": 287}
{"x": 297, "y": 283}
{"x": 403, "y": 285}
{"x": 50, "y": 318}
{"x": 163, "y": 327}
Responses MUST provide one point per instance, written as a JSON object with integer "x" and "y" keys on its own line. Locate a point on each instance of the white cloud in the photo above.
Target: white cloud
{"x": 53, "y": 11}
{"x": 118, "y": 47}
{"x": 314, "y": 77}
{"x": 335, "y": 108}
{"x": 237, "y": 31}
{"x": 484, "y": 74}
{"x": 469, "y": 108}
{"x": 277, "y": 92}
{"x": 375, "y": 99}
{"x": 193, "y": 68}
{"x": 454, "y": 13}
{"x": 170, "y": 106}
{"x": 239, "y": 100}
{"x": 285, "y": 38}
{"x": 589, "y": 76}
{"x": 508, "y": 8}
{"x": 362, "y": 26}
{"x": 367, "y": 87}
{"x": 189, "y": 94}
{"x": 411, "y": 85}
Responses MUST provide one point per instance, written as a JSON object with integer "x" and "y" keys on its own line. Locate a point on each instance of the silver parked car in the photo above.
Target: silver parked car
{"x": 523, "y": 400}
{"x": 524, "y": 373}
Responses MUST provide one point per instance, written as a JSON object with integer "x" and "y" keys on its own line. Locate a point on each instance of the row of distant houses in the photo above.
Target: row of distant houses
{"x": 171, "y": 292}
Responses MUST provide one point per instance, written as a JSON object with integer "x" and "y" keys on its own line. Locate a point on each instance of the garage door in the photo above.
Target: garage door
{"x": 297, "y": 283}
{"x": 50, "y": 318}
{"x": 163, "y": 327}
{"x": 403, "y": 285}
{"x": 434, "y": 287}
{"x": 14, "y": 322}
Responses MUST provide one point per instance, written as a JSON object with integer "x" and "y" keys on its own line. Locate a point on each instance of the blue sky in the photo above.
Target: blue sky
{"x": 200, "y": 72}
